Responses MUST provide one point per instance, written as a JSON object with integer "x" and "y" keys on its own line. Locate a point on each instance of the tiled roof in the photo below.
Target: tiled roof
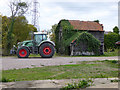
{"x": 117, "y": 43}
{"x": 86, "y": 25}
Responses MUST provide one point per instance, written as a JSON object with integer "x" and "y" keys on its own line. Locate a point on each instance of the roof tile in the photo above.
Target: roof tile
{"x": 86, "y": 25}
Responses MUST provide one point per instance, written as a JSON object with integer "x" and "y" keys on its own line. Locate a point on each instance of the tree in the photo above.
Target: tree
{"x": 0, "y": 34}
{"x": 22, "y": 29}
{"x": 52, "y": 36}
{"x": 20, "y": 32}
{"x": 109, "y": 40}
{"x": 96, "y": 21}
{"x": 31, "y": 29}
{"x": 116, "y": 30}
{"x": 17, "y": 8}
{"x": 5, "y": 25}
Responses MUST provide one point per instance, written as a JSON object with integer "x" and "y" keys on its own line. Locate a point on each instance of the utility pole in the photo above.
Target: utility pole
{"x": 35, "y": 17}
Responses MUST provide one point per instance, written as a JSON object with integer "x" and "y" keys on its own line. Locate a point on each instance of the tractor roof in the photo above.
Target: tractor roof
{"x": 40, "y": 32}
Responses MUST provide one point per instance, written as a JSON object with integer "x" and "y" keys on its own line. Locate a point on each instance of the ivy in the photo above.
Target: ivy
{"x": 90, "y": 41}
{"x": 66, "y": 29}
{"x": 69, "y": 40}
{"x": 65, "y": 34}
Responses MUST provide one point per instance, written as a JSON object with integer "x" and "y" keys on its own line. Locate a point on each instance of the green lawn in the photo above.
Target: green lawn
{"x": 85, "y": 69}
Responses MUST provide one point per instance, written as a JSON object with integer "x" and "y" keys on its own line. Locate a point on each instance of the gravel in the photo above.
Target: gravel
{"x": 17, "y": 63}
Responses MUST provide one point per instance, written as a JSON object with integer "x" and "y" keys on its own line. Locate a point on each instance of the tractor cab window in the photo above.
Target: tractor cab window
{"x": 40, "y": 37}
{"x": 44, "y": 37}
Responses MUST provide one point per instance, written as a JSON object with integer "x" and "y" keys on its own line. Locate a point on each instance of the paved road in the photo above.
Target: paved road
{"x": 16, "y": 63}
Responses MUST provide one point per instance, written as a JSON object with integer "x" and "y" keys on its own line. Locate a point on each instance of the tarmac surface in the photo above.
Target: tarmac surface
{"x": 17, "y": 63}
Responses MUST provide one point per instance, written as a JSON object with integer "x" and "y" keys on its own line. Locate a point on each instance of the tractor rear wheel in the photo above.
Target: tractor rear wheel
{"x": 46, "y": 50}
{"x": 23, "y": 52}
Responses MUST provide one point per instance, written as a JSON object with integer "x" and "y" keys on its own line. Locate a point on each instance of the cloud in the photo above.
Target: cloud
{"x": 79, "y": 0}
{"x": 55, "y": 11}
{"x": 52, "y": 11}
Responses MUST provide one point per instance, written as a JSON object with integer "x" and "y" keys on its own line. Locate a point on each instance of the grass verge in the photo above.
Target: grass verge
{"x": 85, "y": 69}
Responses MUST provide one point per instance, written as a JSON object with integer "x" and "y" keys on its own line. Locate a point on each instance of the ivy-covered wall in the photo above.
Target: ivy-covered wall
{"x": 65, "y": 34}
{"x": 85, "y": 44}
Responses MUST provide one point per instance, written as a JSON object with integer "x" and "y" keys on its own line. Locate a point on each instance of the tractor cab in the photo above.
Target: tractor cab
{"x": 39, "y": 37}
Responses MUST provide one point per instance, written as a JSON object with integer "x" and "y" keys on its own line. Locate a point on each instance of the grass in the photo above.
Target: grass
{"x": 85, "y": 69}
{"x": 34, "y": 55}
{"x": 108, "y": 53}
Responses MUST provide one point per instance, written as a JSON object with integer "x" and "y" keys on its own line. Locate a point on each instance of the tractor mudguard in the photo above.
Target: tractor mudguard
{"x": 47, "y": 41}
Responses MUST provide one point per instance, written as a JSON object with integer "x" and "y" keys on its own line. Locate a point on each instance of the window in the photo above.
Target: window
{"x": 44, "y": 37}
{"x": 40, "y": 37}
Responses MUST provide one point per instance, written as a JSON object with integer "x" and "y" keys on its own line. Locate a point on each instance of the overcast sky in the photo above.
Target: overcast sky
{"x": 52, "y": 11}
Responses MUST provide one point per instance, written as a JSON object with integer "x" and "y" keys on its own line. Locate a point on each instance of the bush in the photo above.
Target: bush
{"x": 109, "y": 41}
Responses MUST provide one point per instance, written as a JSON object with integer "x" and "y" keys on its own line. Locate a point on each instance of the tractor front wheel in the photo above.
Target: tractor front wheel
{"x": 23, "y": 52}
{"x": 46, "y": 50}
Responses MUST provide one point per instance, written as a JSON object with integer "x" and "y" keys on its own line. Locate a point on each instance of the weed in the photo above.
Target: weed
{"x": 6, "y": 80}
{"x": 114, "y": 61}
{"x": 71, "y": 62}
{"x": 42, "y": 65}
{"x": 80, "y": 85}
{"x": 33, "y": 65}
{"x": 115, "y": 80}
{"x": 103, "y": 83}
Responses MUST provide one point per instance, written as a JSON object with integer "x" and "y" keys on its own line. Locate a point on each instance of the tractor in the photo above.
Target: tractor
{"x": 38, "y": 45}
